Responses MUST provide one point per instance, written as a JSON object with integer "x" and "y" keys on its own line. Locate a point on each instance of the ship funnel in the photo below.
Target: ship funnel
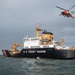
{"x": 47, "y": 37}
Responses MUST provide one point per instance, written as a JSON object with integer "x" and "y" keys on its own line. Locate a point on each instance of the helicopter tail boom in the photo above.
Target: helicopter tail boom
{"x": 73, "y": 16}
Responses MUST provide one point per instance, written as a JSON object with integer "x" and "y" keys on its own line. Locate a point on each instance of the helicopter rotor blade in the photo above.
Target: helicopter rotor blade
{"x": 72, "y": 7}
{"x": 60, "y": 8}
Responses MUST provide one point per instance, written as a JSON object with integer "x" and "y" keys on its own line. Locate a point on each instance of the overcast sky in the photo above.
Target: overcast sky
{"x": 21, "y": 17}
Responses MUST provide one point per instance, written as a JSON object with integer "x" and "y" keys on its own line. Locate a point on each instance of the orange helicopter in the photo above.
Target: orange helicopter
{"x": 67, "y": 13}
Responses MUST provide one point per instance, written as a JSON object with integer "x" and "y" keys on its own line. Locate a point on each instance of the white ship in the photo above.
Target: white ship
{"x": 43, "y": 46}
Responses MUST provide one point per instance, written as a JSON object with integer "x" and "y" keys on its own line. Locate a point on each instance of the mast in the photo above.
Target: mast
{"x": 63, "y": 42}
{"x": 38, "y": 31}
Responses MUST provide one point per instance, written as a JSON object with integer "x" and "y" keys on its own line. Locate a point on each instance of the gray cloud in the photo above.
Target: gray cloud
{"x": 20, "y": 17}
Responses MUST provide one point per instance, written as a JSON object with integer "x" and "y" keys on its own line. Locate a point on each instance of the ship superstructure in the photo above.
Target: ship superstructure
{"x": 46, "y": 40}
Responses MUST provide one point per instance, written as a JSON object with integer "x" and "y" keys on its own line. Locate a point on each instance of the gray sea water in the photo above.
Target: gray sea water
{"x": 29, "y": 66}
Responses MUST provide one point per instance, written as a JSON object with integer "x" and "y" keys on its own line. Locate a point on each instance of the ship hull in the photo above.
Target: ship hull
{"x": 48, "y": 53}
{"x": 42, "y": 53}
{"x": 8, "y": 53}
